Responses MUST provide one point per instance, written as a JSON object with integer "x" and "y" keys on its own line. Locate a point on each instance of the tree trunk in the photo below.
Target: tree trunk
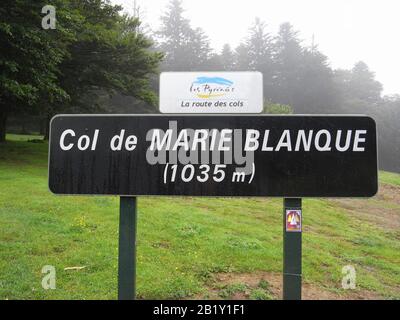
{"x": 3, "y": 122}
{"x": 47, "y": 128}
{"x": 23, "y": 127}
{"x": 42, "y": 130}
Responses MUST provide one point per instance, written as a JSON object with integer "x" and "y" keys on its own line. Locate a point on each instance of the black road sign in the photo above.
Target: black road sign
{"x": 215, "y": 155}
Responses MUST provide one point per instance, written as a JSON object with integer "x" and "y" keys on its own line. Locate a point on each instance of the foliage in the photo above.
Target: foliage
{"x": 109, "y": 54}
{"x": 186, "y": 49}
{"x": 30, "y": 59}
{"x": 294, "y": 74}
{"x": 387, "y": 116}
{"x": 227, "y": 58}
{"x": 93, "y": 48}
{"x": 276, "y": 108}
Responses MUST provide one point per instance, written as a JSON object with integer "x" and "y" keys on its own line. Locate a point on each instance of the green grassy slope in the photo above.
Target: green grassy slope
{"x": 183, "y": 242}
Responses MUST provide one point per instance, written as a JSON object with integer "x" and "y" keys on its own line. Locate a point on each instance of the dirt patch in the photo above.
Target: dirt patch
{"x": 388, "y": 192}
{"x": 376, "y": 210}
{"x": 248, "y": 283}
{"x": 161, "y": 244}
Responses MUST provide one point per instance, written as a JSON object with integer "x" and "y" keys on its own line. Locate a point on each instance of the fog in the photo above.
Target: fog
{"x": 316, "y": 57}
{"x": 345, "y": 30}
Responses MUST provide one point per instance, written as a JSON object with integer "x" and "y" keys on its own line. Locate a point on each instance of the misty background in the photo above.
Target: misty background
{"x": 107, "y": 58}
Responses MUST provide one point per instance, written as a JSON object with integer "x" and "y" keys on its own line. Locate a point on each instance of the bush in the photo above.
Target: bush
{"x": 276, "y": 108}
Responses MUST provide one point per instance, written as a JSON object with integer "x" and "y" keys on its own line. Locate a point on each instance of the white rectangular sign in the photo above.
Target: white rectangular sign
{"x": 211, "y": 92}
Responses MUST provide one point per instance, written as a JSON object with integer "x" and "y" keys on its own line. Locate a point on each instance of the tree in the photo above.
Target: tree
{"x": 259, "y": 47}
{"x": 93, "y": 51}
{"x": 242, "y": 59}
{"x": 185, "y": 49}
{"x": 200, "y": 50}
{"x": 174, "y": 37}
{"x": 387, "y": 115}
{"x": 363, "y": 85}
{"x": 29, "y": 59}
{"x": 109, "y": 54}
{"x": 256, "y": 54}
{"x": 288, "y": 55}
{"x": 315, "y": 92}
{"x": 302, "y": 76}
{"x": 261, "y": 55}
{"x": 357, "y": 88}
{"x": 227, "y": 58}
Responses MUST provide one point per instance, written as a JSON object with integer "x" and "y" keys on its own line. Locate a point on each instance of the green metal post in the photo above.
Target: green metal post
{"x": 291, "y": 253}
{"x": 127, "y": 249}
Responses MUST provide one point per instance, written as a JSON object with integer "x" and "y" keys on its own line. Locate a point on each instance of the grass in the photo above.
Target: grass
{"x": 182, "y": 242}
{"x": 389, "y": 178}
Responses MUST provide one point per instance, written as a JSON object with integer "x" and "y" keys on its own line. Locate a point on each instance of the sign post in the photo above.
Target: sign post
{"x": 219, "y": 155}
{"x": 127, "y": 249}
{"x": 292, "y": 230}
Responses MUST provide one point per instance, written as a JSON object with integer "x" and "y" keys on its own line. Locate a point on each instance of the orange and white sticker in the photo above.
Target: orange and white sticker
{"x": 293, "y": 220}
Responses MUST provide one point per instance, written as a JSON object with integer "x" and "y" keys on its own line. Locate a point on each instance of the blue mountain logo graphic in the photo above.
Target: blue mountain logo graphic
{"x": 216, "y": 80}
{"x": 211, "y": 87}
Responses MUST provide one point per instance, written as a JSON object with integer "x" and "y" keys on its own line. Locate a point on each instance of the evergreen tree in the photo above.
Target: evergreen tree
{"x": 363, "y": 85}
{"x": 258, "y": 46}
{"x": 93, "y": 49}
{"x": 255, "y": 52}
{"x": 29, "y": 59}
{"x": 288, "y": 60}
{"x": 185, "y": 49}
{"x": 200, "y": 50}
{"x": 316, "y": 92}
{"x": 227, "y": 58}
{"x": 110, "y": 54}
{"x": 387, "y": 115}
{"x": 242, "y": 62}
{"x": 357, "y": 88}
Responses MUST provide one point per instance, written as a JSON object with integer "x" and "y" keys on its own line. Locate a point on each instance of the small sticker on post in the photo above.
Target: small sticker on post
{"x": 293, "y": 220}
